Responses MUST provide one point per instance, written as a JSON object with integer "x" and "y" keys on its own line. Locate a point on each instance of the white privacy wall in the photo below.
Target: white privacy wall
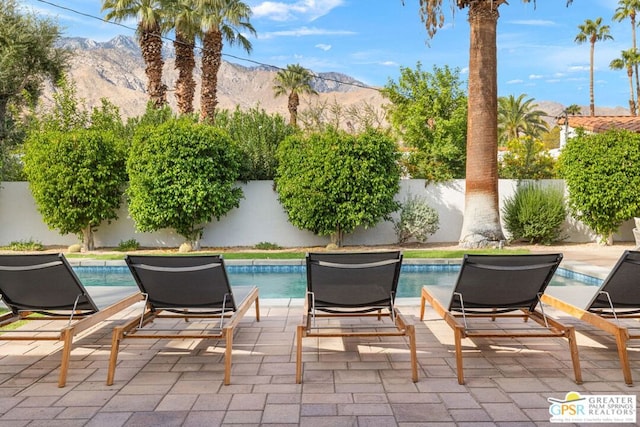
{"x": 260, "y": 218}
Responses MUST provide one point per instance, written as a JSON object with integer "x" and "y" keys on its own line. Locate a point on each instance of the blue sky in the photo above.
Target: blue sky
{"x": 371, "y": 39}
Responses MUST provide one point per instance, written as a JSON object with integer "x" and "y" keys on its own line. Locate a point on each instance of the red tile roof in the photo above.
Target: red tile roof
{"x": 603, "y": 123}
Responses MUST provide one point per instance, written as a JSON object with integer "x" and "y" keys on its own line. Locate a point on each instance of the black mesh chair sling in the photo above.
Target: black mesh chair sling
{"x": 353, "y": 285}
{"x": 185, "y": 287}
{"x": 617, "y": 299}
{"x": 501, "y": 286}
{"x": 41, "y": 288}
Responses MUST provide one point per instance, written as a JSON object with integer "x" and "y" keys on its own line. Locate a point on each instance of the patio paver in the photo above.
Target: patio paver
{"x": 346, "y": 383}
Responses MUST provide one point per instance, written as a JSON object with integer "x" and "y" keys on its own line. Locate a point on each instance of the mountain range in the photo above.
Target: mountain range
{"x": 115, "y": 70}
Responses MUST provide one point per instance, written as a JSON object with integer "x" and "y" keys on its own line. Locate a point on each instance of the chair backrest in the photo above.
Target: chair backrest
{"x": 353, "y": 279}
{"x": 622, "y": 285}
{"x": 182, "y": 282}
{"x": 43, "y": 283}
{"x": 503, "y": 282}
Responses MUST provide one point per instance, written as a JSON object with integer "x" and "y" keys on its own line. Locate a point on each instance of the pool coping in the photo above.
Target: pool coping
{"x": 577, "y": 268}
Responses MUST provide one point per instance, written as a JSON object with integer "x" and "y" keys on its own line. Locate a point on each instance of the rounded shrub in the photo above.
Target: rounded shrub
{"x": 182, "y": 174}
{"x": 535, "y": 214}
{"x": 417, "y": 220}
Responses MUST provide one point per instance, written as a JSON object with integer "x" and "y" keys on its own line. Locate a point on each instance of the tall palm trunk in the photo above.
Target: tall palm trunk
{"x": 592, "y": 100}
{"x": 632, "y": 102}
{"x": 211, "y": 60}
{"x": 632, "y": 17}
{"x": 151, "y": 47}
{"x": 481, "y": 225}
{"x": 185, "y": 63}
{"x": 294, "y": 101}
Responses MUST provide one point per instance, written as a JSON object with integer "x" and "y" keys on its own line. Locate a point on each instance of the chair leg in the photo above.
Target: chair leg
{"x": 621, "y": 340}
{"x": 422, "y": 304}
{"x": 299, "y": 334}
{"x": 411, "y": 331}
{"x": 457, "y": 332}
{"x": 257, "y": 304}
{"x": 116, "y": 337}
{"x": 227, "y": 356}
{"x": 67, "y": 339}
{"x": 575, "y": 357}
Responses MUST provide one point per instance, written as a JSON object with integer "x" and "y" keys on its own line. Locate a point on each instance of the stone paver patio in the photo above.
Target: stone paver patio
{"x": 347, "y": 382}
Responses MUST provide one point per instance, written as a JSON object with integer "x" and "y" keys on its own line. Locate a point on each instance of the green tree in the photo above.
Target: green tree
{"x": 604, "y": 187}
{"x": 76, "y": 178}
{"x": 526, "y": 158}
{"x": 75, "y": 162}
{"x": 481, "y": 224}
{"x": 182, "y": 174}
{"x": 28, "y": 57}
{"x": 573, "y": 110}
{"x": 551, "y": 139}
{"x": 592, "y": 31}
{"x": 149, "y": 31}
{"x": 332, "y": 182}
{"x": 257, "y": 135}
{"x": 518, "y": 117}
{"x": 629, "y": 9}
{"x": 222, "y": 20}
{"x": 291, "y": 82}
{"x": 628, "y": 59}
{"x": 428, "y": 111}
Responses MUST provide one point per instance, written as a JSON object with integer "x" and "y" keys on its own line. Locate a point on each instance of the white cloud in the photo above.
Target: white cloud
{"x": 535, "y": 76}
{"x": 272, "y": 10}
{"x": 533, "y": 22}
{"x": 323, "y": 46}
{"x": 306, "y": 31}
{"x": 307, "y": 10}
{"x": 515, "y": 81}
{"x": 577, "y": 68}
{"x": 389, "y": 63}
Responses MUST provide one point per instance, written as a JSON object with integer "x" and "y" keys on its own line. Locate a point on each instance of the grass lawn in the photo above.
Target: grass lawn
{"x": 410, "y": 253}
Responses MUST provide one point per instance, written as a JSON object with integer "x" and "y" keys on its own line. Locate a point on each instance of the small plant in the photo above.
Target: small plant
{"x": 267, "y": 246}
{"x": 417, "y": 220}
{"x": 28, "y": 245}
{"x": 535, "y": 214}
{"x": 128, "y": 245}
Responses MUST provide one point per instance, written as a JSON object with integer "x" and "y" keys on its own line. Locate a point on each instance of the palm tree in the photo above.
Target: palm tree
{"x": 222, "y": 20}
{"x": 573, "y": 110}
{"x": 184, "y": 19}
{"x": 292, "y": 81}
{"x": 592, "y": 32}
{"x": 629, "y": 9}
{"x": 518, "y": 117}
{"x": 148, "y": 13}
{"x": 629, "y": 58}
{"x": 481, "y": 225}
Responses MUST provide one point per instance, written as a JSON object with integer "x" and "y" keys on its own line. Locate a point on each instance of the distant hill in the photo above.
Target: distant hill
{"x": 115, "y": 70}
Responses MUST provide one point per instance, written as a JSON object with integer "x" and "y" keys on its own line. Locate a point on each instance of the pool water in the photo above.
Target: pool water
{"x": 290, "y": 281}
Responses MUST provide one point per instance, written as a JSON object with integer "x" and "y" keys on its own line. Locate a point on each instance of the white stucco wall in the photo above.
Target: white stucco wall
{"x": 260, "y": 218}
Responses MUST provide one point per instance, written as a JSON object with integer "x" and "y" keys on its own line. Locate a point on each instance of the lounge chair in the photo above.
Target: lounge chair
{"x": 353, "y": 285}
{"x": 185, "y": 287}
{"x": 43, "y": 288}
{"x": 617, "y": 299}
{"x": 501, "y": 286}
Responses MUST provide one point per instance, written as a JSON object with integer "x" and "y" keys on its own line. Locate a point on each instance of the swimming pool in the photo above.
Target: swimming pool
{"x": 289, "y": 281}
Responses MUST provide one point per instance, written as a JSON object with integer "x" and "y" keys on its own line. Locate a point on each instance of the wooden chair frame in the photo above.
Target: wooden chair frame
{"x": 73, "y": 322}
{"x": 229, "y": 317}
{"x": 500, "y": 274}
{"x": 399, "y": 326}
